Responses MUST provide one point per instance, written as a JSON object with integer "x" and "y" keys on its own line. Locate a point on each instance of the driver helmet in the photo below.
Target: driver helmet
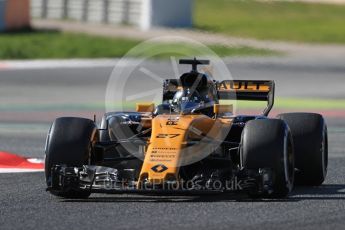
{"x": 185, "y": 100}
{"x": 186, "y": 96}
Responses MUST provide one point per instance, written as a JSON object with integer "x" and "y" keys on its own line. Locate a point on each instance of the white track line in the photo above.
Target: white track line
{"x": 19, "y": 170}
{"x": 62, "y": 63}
{"x": 53, "y": 64}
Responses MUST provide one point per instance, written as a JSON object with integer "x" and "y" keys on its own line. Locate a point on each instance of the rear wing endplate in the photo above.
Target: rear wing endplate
{"x": 250, "y": 90}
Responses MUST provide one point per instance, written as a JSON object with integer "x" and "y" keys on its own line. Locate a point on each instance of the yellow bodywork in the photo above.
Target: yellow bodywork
{"x": 178, "y": 140}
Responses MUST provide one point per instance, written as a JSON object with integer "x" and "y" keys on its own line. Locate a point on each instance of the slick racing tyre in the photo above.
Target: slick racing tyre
{"x": 267, "y": 144}
{"x": 69, "y": 143}
{"x": 309, "y": 133}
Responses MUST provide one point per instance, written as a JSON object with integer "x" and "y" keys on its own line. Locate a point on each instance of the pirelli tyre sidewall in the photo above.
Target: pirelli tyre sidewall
{"x": 267, "y": 143}
{"x": 309, "y": 132}
{"x": 69, "y": 142}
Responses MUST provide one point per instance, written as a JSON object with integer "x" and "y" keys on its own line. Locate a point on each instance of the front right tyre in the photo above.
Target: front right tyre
{"x": 267, "y": 144}
{"x": 69, "y": 143}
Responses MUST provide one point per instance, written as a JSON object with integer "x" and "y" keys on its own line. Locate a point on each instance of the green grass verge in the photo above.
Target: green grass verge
{"x": 280, "y": 103}
{"x": 292, "y": 21}
{"x": 296, "y": 103}
{"x": 50, "y": 44}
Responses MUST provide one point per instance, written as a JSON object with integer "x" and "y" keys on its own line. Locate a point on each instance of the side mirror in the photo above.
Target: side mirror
{"x": 222, "y": 109}
{"x": 145, "y": 107}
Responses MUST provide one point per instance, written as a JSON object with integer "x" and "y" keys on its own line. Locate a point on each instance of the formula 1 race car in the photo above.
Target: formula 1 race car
{"x": 190, "y": 143}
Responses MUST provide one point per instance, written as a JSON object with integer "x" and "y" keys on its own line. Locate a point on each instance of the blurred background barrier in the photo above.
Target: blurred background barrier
{"x": 142, "y": 13}
{"x": 14, "y": 14}
{"x": 2, "y": 15}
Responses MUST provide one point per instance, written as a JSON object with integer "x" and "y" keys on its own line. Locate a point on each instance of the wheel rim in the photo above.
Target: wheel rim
{"x": 323, "y": 150}
{"x": 288, "y": 161}
{"x": 93, "y": 140}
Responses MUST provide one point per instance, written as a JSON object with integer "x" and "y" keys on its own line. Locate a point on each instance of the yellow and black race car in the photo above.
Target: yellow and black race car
{"x": 191, "y": 143}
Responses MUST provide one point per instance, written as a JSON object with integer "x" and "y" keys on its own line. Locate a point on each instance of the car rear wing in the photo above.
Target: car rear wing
{"x": 250, "y": 90}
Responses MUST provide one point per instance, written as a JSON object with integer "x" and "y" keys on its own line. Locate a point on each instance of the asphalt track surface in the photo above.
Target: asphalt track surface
{"x": 24, "y": 204}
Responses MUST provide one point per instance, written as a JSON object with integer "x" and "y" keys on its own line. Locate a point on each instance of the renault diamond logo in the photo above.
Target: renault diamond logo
{"x": 159, "y": 168}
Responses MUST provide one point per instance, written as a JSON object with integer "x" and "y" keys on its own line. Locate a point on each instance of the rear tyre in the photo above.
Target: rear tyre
{"x": 309, "y": 133}
{"x": 69, "y": 143}
{"x": 268, "y": 144}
